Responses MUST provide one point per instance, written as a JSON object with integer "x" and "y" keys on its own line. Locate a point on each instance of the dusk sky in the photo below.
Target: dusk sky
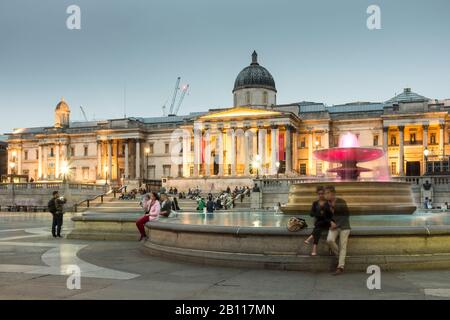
{"x": 316, "y": 51}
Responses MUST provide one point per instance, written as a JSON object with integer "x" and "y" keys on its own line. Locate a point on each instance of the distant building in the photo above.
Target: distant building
{"x": 3, "y": 156}
{"x": 256, "y": 136}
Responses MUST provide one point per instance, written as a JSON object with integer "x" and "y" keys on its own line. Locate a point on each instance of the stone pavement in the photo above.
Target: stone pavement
{"x": 33, "y": 265}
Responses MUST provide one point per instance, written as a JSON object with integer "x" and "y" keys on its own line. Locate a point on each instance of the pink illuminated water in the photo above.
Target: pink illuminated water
{"x": 348, "y": 154}
{"x": 348, "y": 140}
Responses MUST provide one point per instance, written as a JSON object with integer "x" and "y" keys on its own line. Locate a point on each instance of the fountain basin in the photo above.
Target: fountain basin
{"x": 362, "y": 197}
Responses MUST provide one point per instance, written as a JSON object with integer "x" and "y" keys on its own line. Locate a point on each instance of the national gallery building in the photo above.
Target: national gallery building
{"x": 255, "y": 137}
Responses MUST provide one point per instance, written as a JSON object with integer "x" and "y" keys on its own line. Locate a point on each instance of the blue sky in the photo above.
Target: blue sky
{"x": 316, "y": 50}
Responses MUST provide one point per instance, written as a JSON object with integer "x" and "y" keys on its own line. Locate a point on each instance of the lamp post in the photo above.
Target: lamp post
{"x": 106, "y": 174}
{"x": 147, "y": 152}
{"x": 256, "y": 164}
{"x": 426, "y": 152}
{"x": 277, "y": 164}
{"x": 64, "y": 171}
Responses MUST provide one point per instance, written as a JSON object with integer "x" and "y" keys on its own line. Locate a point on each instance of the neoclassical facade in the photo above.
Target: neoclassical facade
{"x": 255, "y": 137}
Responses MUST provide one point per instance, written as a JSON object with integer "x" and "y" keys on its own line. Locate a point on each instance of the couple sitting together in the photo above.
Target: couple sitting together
{"x": 331, "y": 215}
{"x": 154, "y": 206}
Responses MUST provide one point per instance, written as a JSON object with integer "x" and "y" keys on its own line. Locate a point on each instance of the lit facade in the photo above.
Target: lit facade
{"x": 255, "y": 137}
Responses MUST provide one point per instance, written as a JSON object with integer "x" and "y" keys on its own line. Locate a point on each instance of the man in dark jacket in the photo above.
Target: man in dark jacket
{"x": 340, "y": 226}
{"x": 166, "y": 206}
{"x": 56, "y": 208}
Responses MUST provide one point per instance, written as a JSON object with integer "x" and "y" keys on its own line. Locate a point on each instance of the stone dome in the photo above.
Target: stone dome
{"x": 254, "y": 76}
{"x": 62, "y": 106}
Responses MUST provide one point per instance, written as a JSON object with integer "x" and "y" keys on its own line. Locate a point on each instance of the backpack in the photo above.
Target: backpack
{"x": 52, "y": 205}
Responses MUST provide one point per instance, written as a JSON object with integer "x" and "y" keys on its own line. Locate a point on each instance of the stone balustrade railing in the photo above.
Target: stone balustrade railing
{"x": 283, "y": 184}
{"x": 52, "y": 186}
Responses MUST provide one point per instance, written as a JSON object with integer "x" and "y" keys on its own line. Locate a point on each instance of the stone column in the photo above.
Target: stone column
{"x": 138, "y": 159}
{"x": 19, "y": 160}
{"x": 221, "y": 142}
{"x": 247, "y": 151}
{"x": 325, "y": 145}
{"x": 186, "y": 152}
{"x": 109, "y": 160}
{"x": 274, "y": 149}
{"x": 127, "y": 160}
{"x": 425, "y": 146}
{"x": 294, "y": 149}
{"x": 288, "y": 150}
{"x": 233, "y": 152}
{"x": 197, "y": 151}
{"x": 99, "y": 160}
{"x": 40, "y": 163}
{"x": 57, "y": 164}
{"x": 44, "y": 162}
{"x": 385, "y": 139}
{"x": 310, "y": 154}
{"x": 441, "y": 139}
{"x": 401, "y": 157}
{"x": 207, "y": 137}
{"x": 262, "y": 133}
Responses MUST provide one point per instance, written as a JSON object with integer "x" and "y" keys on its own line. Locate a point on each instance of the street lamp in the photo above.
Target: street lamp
{"x": 426, "y": 152}
{"x": 64, "y": 171}
{"x": 277, "y": 164}
{"x": 256, "y": 164}
{"x": 147, "y": 152}
{"x": 106, "y": 174}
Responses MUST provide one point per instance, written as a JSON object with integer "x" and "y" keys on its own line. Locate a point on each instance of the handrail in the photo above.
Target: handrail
{"x": 101, "y": 196}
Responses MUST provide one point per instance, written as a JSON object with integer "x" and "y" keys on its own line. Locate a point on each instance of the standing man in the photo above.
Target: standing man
{"x": 56, "y": 208}
{"x": 339, "y": 227}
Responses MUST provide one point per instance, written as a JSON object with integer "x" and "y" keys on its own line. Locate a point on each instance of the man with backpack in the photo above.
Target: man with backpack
{"x": 56, "y": 208}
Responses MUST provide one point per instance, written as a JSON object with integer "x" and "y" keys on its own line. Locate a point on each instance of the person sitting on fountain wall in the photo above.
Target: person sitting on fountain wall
{"x": 152, "y": 208}
{"x": 166, "y": 206}
{"x": 323, "y": 217}
{"x": 339, "y": 227}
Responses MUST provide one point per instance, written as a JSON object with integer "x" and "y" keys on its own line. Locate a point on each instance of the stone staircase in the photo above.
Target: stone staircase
{"x": 112, "y": 205}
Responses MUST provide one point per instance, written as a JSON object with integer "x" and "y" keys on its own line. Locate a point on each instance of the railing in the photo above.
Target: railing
{"x": 51, "y": 186}
{"x": 419, "y": 180}
{"x": 87, "y": 202}
{"x": 283, "y": 184}
{"x": 271, "y": 184}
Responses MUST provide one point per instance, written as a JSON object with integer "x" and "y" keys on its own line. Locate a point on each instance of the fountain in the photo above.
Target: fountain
{"x": 364, "y": 197}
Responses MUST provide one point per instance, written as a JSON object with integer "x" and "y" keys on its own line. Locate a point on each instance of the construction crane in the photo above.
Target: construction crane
{"x": 164, "y": 109}
{"x": 84, "y": 113}
{"x": 177, "y": 87}
{"x": 183, "y": 93}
